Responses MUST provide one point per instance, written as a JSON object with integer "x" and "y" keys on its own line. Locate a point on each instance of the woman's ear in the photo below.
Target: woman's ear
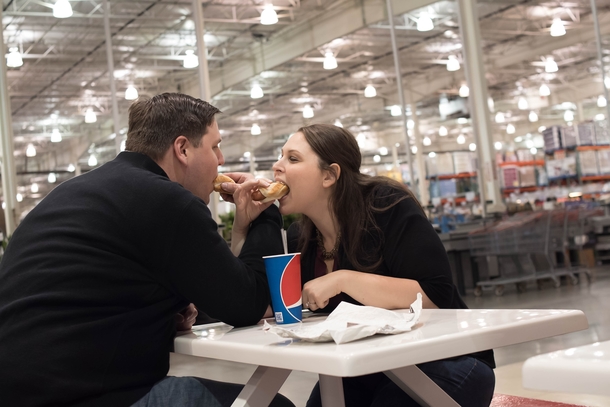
{"x": 180, "y": 147}
{"x": 331, "y": 175}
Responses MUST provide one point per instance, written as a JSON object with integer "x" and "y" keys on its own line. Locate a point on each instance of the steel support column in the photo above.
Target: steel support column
{"x": 600, "y": 55}
{"x": 110, "y": 60}
{"x": 9, "y": 178}
{"x": 401, "y": 99}
{"x": 489, "y": 187}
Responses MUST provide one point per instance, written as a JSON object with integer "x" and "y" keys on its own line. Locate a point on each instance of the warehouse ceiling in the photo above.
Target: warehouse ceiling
{"x": 65, "y": 72}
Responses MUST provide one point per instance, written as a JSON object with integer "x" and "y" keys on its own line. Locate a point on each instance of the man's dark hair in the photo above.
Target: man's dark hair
{"x": 155, "y": 123}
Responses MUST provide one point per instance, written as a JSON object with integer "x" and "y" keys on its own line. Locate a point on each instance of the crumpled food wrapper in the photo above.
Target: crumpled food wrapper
{"x": 349, "y": 322}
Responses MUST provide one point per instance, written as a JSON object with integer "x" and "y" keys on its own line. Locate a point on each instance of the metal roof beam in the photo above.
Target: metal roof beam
{"x": 341, "y": 18}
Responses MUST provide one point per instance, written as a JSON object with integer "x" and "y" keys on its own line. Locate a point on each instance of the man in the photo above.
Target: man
{"x": 94, "y": 276}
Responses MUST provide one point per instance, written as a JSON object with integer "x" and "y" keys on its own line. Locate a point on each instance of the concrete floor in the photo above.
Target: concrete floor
{"x": 593, "y": 299}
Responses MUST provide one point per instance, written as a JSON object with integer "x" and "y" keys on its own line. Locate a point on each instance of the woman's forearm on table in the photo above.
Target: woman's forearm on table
{"x": 382, "y": 291}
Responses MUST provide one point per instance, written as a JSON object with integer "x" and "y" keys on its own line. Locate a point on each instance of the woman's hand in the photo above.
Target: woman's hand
{"x": 246, "y": 209}
{"x": 317, "y": 292}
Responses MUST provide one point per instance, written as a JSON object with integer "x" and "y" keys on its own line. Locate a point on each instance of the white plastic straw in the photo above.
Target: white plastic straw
{"x": 284, "y": 242}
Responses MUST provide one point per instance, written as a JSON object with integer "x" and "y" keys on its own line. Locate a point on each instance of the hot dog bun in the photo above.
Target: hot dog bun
{"x": 219, "y": 180}
{"x": 274, "y": 191}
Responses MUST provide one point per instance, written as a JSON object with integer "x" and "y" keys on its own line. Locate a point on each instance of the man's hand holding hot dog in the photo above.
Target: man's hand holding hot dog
{"x": 246, "y": 209}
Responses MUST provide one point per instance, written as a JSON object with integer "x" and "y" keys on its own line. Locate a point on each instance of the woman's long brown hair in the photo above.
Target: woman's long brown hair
{"x": 353, "y": 199}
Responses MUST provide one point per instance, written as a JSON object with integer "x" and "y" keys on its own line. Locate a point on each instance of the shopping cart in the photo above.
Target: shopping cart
{"x": 526, "y": 246}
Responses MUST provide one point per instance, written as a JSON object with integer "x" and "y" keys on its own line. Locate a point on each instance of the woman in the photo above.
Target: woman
{"x": 366, "y": 240}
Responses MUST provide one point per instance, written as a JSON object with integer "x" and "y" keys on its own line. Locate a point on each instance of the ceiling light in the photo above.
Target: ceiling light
{"x": 518, "y": 139}
{"x": 92, "y": 161}
{"x": 307, "y": 112}
{"x": 491, "y": 104}
{"x": 522, "y": 103}
{"x": 510, "y": 129}
{"x": 533, "y": 117}
{"x": 461, "y": 139}
{"x": 462, "y": 120}
{"x": 601, "y": 101}
{"x": 599, "y": 117}
{"x": 34, "y": 187}
{"x": 330, "y": 62}
{"x": 62, "y": 9}
{"x": 550, "y": 65}
{"x": 190, "y": 59}
{"x": 247, "y": 154}
{"x": 30, "y": 150}
{"x": 52, "y": 178}
{"x": 90, "y": 116}
{"x": 568, "y": 116}
{"x": 131, "y": 93}
{"x": 395, "y": 111}
{"x": 533, "y": 150}
{"x": 500, "y": 117}
{"x": 557, "y": 28}
{"x": 255, "y": 130}
{"x": 442, "y": 131}
{"x": 256, "y": 92}
{"x": 424, "y": 22}
{"x": 453, "y": 64}
{"x": 472, "y": 147}
{"x": 13, "y": 59}
{"x": 541, "y": 129}
{"x": 338, "y": 123}
{"x": 269, "y": 16}
{"x": 498, "y": 145}
{"x": 607, "y": 82}
{"x": 544, "y": 90}
{"x": 376, "y": 158}
{"x": 464, "y": 91}
{"x": 19, "y": 197}
{"x": 414, "y": 149}
{"x": 123, "y": 144}
{"x": 426, "y": 141}
{"x": 55, "y": 136}
{"x": 431, "y": 154}
{"x": 383, "y": 150}
{"x": 410, "y": 124}
{"x": 529, "y": 143}
{"x": 370, "y": 91}
{"x": 71, "y": 168}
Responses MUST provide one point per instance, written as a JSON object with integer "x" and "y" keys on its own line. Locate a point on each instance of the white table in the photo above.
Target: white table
{"x": 584, "y": 369}
{"x": 439, "y": 334}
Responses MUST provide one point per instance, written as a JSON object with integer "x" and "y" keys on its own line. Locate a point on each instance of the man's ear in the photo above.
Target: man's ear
{"x": 331, "y": 175}
{"x": 180, "y": 147}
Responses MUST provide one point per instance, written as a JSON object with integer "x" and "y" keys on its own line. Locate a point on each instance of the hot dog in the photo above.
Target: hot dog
{"x": 274, "y": 191}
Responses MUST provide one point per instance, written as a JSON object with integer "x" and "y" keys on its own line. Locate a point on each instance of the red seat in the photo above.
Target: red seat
{"x": 504, "y": 400}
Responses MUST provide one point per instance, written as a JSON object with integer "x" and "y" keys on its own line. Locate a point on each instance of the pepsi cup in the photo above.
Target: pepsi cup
{"x": 284, "y": 276}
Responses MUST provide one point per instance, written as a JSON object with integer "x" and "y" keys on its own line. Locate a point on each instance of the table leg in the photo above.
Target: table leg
{"x": 427, "y": 394}
{"x": 331, "y": 390}
{"x": 262, "y": 387}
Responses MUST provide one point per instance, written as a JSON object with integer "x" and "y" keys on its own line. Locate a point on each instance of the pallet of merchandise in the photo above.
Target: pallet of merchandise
{"x": 510, "y": 176}
{"x": 586, "y": 133}
{"x": 527, "y": 176}
{"x": 444, "y": 163}
{"x": 602, "y": 136}
{"x": 569, "y": 136}
{"x": 603, "y": 161}
{"x": 587, "y": 161}
{"x": 440, "y": 164}
{"x": 525, "y": 155}
{"x": 464, "y": 161}
{"x": 552, "y": 138}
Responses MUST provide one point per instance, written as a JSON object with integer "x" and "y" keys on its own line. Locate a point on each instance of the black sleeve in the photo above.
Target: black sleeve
{"x": 413, "y": 250}
{"x": 205, "y": 272}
